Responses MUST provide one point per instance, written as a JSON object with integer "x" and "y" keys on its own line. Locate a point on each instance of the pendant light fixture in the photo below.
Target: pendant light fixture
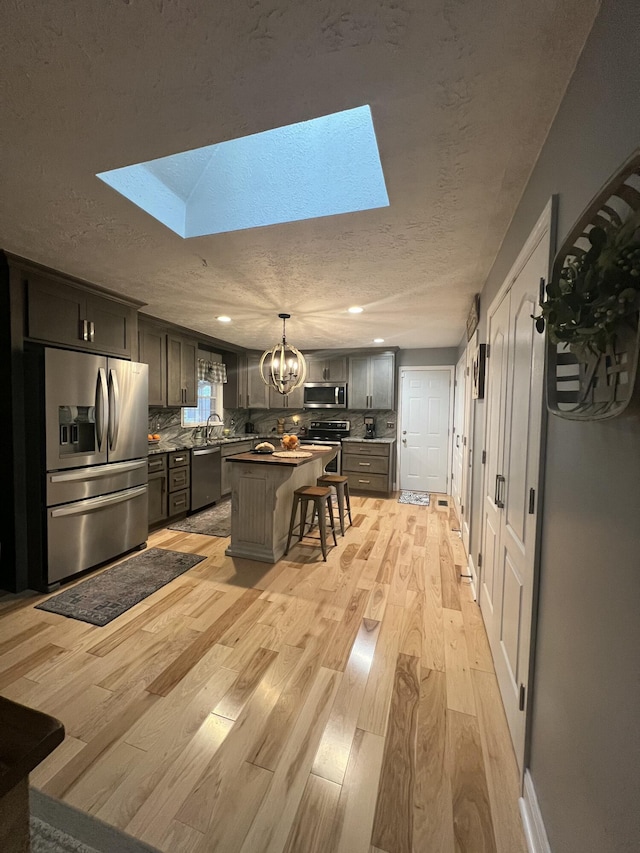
{"x": 283, "y": 368}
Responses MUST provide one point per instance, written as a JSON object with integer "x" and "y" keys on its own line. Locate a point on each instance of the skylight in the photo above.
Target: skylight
{"x": 321, "y": 167}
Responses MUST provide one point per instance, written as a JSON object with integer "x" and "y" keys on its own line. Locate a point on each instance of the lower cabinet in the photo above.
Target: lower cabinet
{"x": 368, "y": 466}
{"x": 157, "y": 490}
{"x": 169, "y": 482}
{"x": 231, "y": 450}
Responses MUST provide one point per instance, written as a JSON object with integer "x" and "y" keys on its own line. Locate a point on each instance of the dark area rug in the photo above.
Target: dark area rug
{"x": 215, "y": 521}
{"x": 100, "y": 599}
{"x": 417, "y": 498}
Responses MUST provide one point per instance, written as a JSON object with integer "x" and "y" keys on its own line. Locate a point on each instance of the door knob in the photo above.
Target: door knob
{"x": 404, "y": 432}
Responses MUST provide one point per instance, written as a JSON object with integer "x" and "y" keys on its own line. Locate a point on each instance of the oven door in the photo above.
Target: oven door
{"x": 325, "y": 395}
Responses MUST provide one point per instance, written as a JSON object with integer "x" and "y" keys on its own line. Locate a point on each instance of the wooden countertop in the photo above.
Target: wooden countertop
{"x": 270, "y": 459}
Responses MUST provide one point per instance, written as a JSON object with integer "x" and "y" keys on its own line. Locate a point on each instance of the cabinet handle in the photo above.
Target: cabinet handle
{"x": 364, "y": 463}
{"x": 92, "y": 331}
{"x": 364, "y": 481}
{"x": 178, "y": 458}
{"x": 83, "y": 330}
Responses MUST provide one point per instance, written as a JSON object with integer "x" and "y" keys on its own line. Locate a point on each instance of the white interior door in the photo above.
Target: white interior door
{"x": 425, "y": 429}
{"x": 457, "y": 434}
{"x": 514, "y": 422}
{"x": 467, "y": 454}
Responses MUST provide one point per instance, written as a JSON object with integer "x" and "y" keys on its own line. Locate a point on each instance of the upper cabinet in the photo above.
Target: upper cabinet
{"x": 173, "y": 366}
{"x": 63, "y": 314}
{"x": 257, "y": 391}
{"x": 372, "y": 381}
{"x": 152, "y": 350}
{"x": 294, "y": 400}
{"x": 235, "y": 388}
{"x": 182, "y": 371}
{"x": 321, "y": 368}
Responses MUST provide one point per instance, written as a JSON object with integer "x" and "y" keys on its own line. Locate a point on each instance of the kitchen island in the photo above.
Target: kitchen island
{"x": 262, "y": 487}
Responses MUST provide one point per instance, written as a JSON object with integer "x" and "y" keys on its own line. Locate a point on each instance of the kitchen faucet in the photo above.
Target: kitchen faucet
{"x": 209, "y": 427}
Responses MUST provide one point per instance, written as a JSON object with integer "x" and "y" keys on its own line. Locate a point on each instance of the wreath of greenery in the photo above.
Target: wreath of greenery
{"x": 596, "y": 291}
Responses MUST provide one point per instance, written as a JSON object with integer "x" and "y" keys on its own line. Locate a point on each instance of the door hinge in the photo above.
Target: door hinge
{"x": 461, "y": 509}
{"x": 522, "y": 695}
{"x": 466, "y": 371}
{"x": 479, "y": 560}
{"x": 484, "y": 457}
{"x": 464, "y": 440}
{"x": 532, "y": 501}
{"x": 487, "y": 352}
{"x": 541, "y": 293}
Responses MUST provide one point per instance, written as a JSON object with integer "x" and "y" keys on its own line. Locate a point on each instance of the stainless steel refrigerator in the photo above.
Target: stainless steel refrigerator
{"x": 95, "y": 436}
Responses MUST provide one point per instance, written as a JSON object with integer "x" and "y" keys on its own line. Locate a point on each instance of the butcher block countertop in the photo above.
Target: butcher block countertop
{"x": 272, "y": 459}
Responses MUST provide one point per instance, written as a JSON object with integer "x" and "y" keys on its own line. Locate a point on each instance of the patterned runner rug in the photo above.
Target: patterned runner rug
{"x": 215, "y": 521}
{"x": 418, "y": 498}
{"x": 100, "y": 599}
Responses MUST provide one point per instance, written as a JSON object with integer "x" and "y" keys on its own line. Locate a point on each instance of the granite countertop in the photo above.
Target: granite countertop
{"x": 172, "y": 446}
{"x": 370, "y": 440}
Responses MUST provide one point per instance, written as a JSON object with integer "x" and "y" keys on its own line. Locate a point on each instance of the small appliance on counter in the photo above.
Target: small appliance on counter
{"x": 249, "y": 428}
{"x": 369, "y": 427}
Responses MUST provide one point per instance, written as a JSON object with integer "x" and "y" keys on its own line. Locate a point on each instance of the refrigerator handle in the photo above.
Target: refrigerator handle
{"x": 102, "y": 402}
{"x": 114, "y": 409}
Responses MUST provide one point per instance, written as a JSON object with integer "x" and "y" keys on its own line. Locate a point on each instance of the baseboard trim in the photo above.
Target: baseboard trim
{"x": 534, "y": 831}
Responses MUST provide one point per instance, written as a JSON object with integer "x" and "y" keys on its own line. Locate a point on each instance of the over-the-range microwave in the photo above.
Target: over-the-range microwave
{"x": 325, "y": 395}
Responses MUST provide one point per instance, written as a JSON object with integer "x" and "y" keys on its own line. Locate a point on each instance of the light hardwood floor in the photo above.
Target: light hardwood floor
{"x": 306, "y": 707}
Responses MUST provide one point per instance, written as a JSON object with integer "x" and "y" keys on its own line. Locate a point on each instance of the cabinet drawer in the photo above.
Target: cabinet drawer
{"x": 157, "y": 464}
{"x": 365, "y": 449}
{"x": 178, "y": 458}
{"x": 178, "y": 502}
{"x": 370, "y": 465}
{"x": 368, "y": 482}
{"x": 179, "y": 478}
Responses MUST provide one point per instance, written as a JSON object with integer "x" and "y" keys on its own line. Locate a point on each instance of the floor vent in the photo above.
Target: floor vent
{"x": 443, "y": 503}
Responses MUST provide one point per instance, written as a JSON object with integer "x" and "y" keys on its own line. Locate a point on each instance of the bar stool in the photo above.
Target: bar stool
{"x": 341, "y": 485}
{"x": 321, "y": 498}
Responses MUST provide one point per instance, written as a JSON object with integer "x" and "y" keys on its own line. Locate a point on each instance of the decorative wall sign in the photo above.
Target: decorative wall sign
{"x": 591, "y": 313}
{"x": 478, "y": 368}
{"x": 474, "y": 316}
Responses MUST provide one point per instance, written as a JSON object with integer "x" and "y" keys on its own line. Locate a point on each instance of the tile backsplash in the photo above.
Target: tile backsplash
{"x": 167, "y": 421}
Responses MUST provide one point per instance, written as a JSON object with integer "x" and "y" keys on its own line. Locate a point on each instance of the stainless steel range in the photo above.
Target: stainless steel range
{"x": 329, "y": 433}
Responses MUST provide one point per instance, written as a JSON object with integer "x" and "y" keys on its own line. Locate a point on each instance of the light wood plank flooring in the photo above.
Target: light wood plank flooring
{"x": 306, "y": 707}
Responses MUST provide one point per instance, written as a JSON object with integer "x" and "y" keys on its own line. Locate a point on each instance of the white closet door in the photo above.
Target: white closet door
{"x": 458, "y": 435}
{"x": 510, "y": 503}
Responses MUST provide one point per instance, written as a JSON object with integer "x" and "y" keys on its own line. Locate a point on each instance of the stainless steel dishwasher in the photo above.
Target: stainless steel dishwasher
{"x": 205, "y": 476}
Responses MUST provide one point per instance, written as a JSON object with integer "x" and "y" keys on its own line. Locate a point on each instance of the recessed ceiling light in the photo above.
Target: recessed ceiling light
{"x": 378, "y": 340}
{"x": 355, "y": 309}
{"x": 224, "y": 319}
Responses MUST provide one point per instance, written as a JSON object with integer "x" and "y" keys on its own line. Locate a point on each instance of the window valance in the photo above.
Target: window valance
{"x": 211, "y": 371}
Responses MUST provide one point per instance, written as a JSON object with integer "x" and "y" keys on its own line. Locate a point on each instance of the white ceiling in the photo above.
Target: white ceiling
{"x": 462, "y": 95}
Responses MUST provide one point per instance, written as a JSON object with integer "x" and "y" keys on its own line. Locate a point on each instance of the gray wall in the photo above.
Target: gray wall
{"x": 585, "y": 733}
{"x": 435, "y": 357}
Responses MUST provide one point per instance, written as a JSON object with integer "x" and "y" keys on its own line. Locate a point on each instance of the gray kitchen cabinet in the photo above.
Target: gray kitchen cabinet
{"x": 257, "y": 391}
{"x": 295, "y": 400}
{"x": 178, "y": 482}
{"x": 227, "y": 450}
{"x": 152, "y": 350}
{"x": 63, "y": 314}
{"x": 372, "y": 381}
{"x": 368, "y": 465}
{"x": 322, "y": 368}
{"x": 234, "y": 392}
{"x": 182, "y": 371}
{"x": 157, "y": 488}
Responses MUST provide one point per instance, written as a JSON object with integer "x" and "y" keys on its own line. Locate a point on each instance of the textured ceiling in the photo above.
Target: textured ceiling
{"x": 462, "y": 95}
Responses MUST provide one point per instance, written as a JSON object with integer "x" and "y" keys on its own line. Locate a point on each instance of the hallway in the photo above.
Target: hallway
{"x": 311, "y": 707}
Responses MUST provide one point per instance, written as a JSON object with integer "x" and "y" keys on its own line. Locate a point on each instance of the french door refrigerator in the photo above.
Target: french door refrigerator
{"x": 95, "y": 460}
